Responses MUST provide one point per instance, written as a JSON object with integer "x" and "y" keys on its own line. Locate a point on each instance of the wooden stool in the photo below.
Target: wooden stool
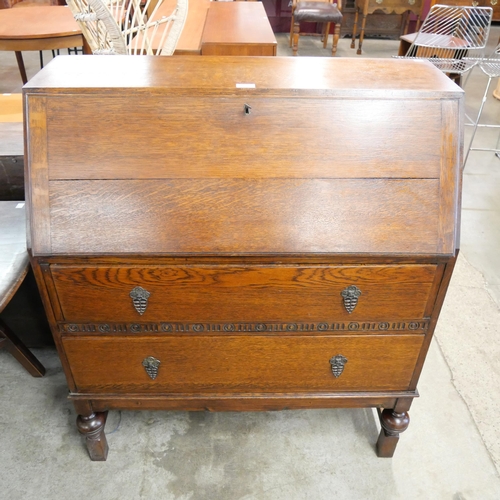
{"x": 14, "y": 265}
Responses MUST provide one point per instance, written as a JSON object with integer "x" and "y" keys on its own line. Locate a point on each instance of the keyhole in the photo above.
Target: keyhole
{"x": 247, "y": 108}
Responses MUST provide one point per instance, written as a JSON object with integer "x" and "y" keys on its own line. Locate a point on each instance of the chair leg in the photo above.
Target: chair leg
{"x": 336, "y": 36}
{"x": 20, "y": 65}
{"x": 355, "y": 28}
{"x": 296, "y": 31}
{"x": 362, "y": 33}
{"x": 291, "y": 30}
{"x": 13, "y": 344}
{"x": 326, "y": 32}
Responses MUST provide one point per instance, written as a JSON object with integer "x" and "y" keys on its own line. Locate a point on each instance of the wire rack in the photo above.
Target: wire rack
{"x": 490, "y": 66}
{"x": 452, "y": 37}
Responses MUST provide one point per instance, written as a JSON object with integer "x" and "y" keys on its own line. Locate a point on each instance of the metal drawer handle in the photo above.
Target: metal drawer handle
{"x": 338, "y": 362}
{"x": 151, "y": 365}
{"x": 140, "y": 298}
{"x": 350, "y": 295}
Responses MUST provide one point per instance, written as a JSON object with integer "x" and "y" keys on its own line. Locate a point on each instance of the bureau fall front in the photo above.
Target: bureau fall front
{"x": 242, "y": 233}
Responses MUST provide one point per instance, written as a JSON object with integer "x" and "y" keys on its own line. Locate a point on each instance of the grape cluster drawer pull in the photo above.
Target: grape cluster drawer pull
{"x": 140, "y": 298}
{"x": 151, "y": 365}
{"x": 351, "y": 295}
{"x": 338, "y": 362}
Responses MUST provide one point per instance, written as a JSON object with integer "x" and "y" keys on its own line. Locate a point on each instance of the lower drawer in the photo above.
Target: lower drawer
{"x": 242, "y": 364}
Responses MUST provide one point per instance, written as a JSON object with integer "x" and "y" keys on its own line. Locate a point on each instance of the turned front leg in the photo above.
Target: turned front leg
{"x": 295, "y": 40}
{"x": 393, "y": 424}
{"x": 362, "y": 32}
{"x": 92, "y": 428}
{"x": 355, "y": 28}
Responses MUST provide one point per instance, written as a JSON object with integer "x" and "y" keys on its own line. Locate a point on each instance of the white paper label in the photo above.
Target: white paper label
{"x": 245, "y": 85}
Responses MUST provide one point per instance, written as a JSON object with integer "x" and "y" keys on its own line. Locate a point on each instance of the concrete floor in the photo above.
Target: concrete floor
{"x": 450, "y": 451}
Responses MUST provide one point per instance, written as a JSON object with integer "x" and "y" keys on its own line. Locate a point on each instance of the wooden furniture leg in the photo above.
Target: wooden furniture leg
{"x": 92, "y": 428}
{"x": 20, "y": 65}
{"x": 355, "y": 28}
{"x": 336, "y": 36}
{"x": 362, "y": 32}
{"x": 295, "y": 42}
{"x": 10, "y": 341}
{"x": 394, "y": 421}
{"x": 496, "y": 92}
{"x": 326, "y": 33}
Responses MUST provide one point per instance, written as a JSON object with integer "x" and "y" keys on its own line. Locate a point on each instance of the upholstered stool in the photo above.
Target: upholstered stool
{"x": 316, "y": 12}
{"x": 14, "y": 265}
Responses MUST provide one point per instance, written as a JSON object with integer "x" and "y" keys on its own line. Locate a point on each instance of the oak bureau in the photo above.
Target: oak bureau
{"x": 242, "y": 233}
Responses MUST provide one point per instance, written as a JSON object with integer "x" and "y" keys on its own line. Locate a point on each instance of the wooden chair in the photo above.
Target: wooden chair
{"x": 325, "y": 12}
{"x": 133, "y": 27}
{"x": 14, "y": 265}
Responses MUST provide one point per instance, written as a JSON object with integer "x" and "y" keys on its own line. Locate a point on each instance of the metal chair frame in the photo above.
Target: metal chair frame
{"x": 490, "y": 66}
{"x": 452, "y": 37}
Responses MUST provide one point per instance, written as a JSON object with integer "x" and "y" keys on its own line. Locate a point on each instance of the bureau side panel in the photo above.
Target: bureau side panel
{"x": 450, "y": 181}
{"x": 245, "y": 216}
{"x": 37, "y": 175}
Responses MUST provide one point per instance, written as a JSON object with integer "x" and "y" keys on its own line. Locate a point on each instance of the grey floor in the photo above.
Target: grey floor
{"x": 450, "y": 451}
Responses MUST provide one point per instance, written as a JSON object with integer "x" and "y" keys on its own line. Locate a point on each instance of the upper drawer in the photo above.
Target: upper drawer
{"x": 206, "y": 137}
{"x": 237, "y": 293}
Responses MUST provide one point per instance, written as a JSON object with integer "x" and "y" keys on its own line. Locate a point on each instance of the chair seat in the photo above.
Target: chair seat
{"x": 318, "y": 12}
{"x": 14, "y": 264}
{"x": 14, "y": 259}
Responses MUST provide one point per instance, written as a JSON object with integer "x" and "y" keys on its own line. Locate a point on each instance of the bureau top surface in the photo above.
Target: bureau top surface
{"x": 279, "y": 75}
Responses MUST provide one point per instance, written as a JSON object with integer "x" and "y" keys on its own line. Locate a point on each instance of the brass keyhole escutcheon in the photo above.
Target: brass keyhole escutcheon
{"x": 247, "y": 108}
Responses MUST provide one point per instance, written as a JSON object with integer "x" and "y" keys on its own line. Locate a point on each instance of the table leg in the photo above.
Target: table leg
{"x": 20, "y": 64}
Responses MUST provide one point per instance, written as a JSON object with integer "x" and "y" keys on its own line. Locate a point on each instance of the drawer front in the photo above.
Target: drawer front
{"x": 231, "y": 293}
{"x": 242, "y": 364}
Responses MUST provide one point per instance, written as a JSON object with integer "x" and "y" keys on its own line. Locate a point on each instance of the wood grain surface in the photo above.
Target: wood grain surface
{"x": 245, "y": 216}
{"x": 232, "y": 364}
{"x": 234, "y": 293}
{"x": 297, "y": 137}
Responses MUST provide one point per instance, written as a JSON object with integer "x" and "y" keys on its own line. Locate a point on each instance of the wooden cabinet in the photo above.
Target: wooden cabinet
{"x": 474, "y": 3}
{"x": 242, "y": 233}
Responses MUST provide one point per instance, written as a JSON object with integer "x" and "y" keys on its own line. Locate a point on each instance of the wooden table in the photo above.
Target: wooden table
{"x": 388, "y": 7}
{"x": 190, "y": 40}
{"x": 238, "y": 29}
{"x": 38, "y": 28}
